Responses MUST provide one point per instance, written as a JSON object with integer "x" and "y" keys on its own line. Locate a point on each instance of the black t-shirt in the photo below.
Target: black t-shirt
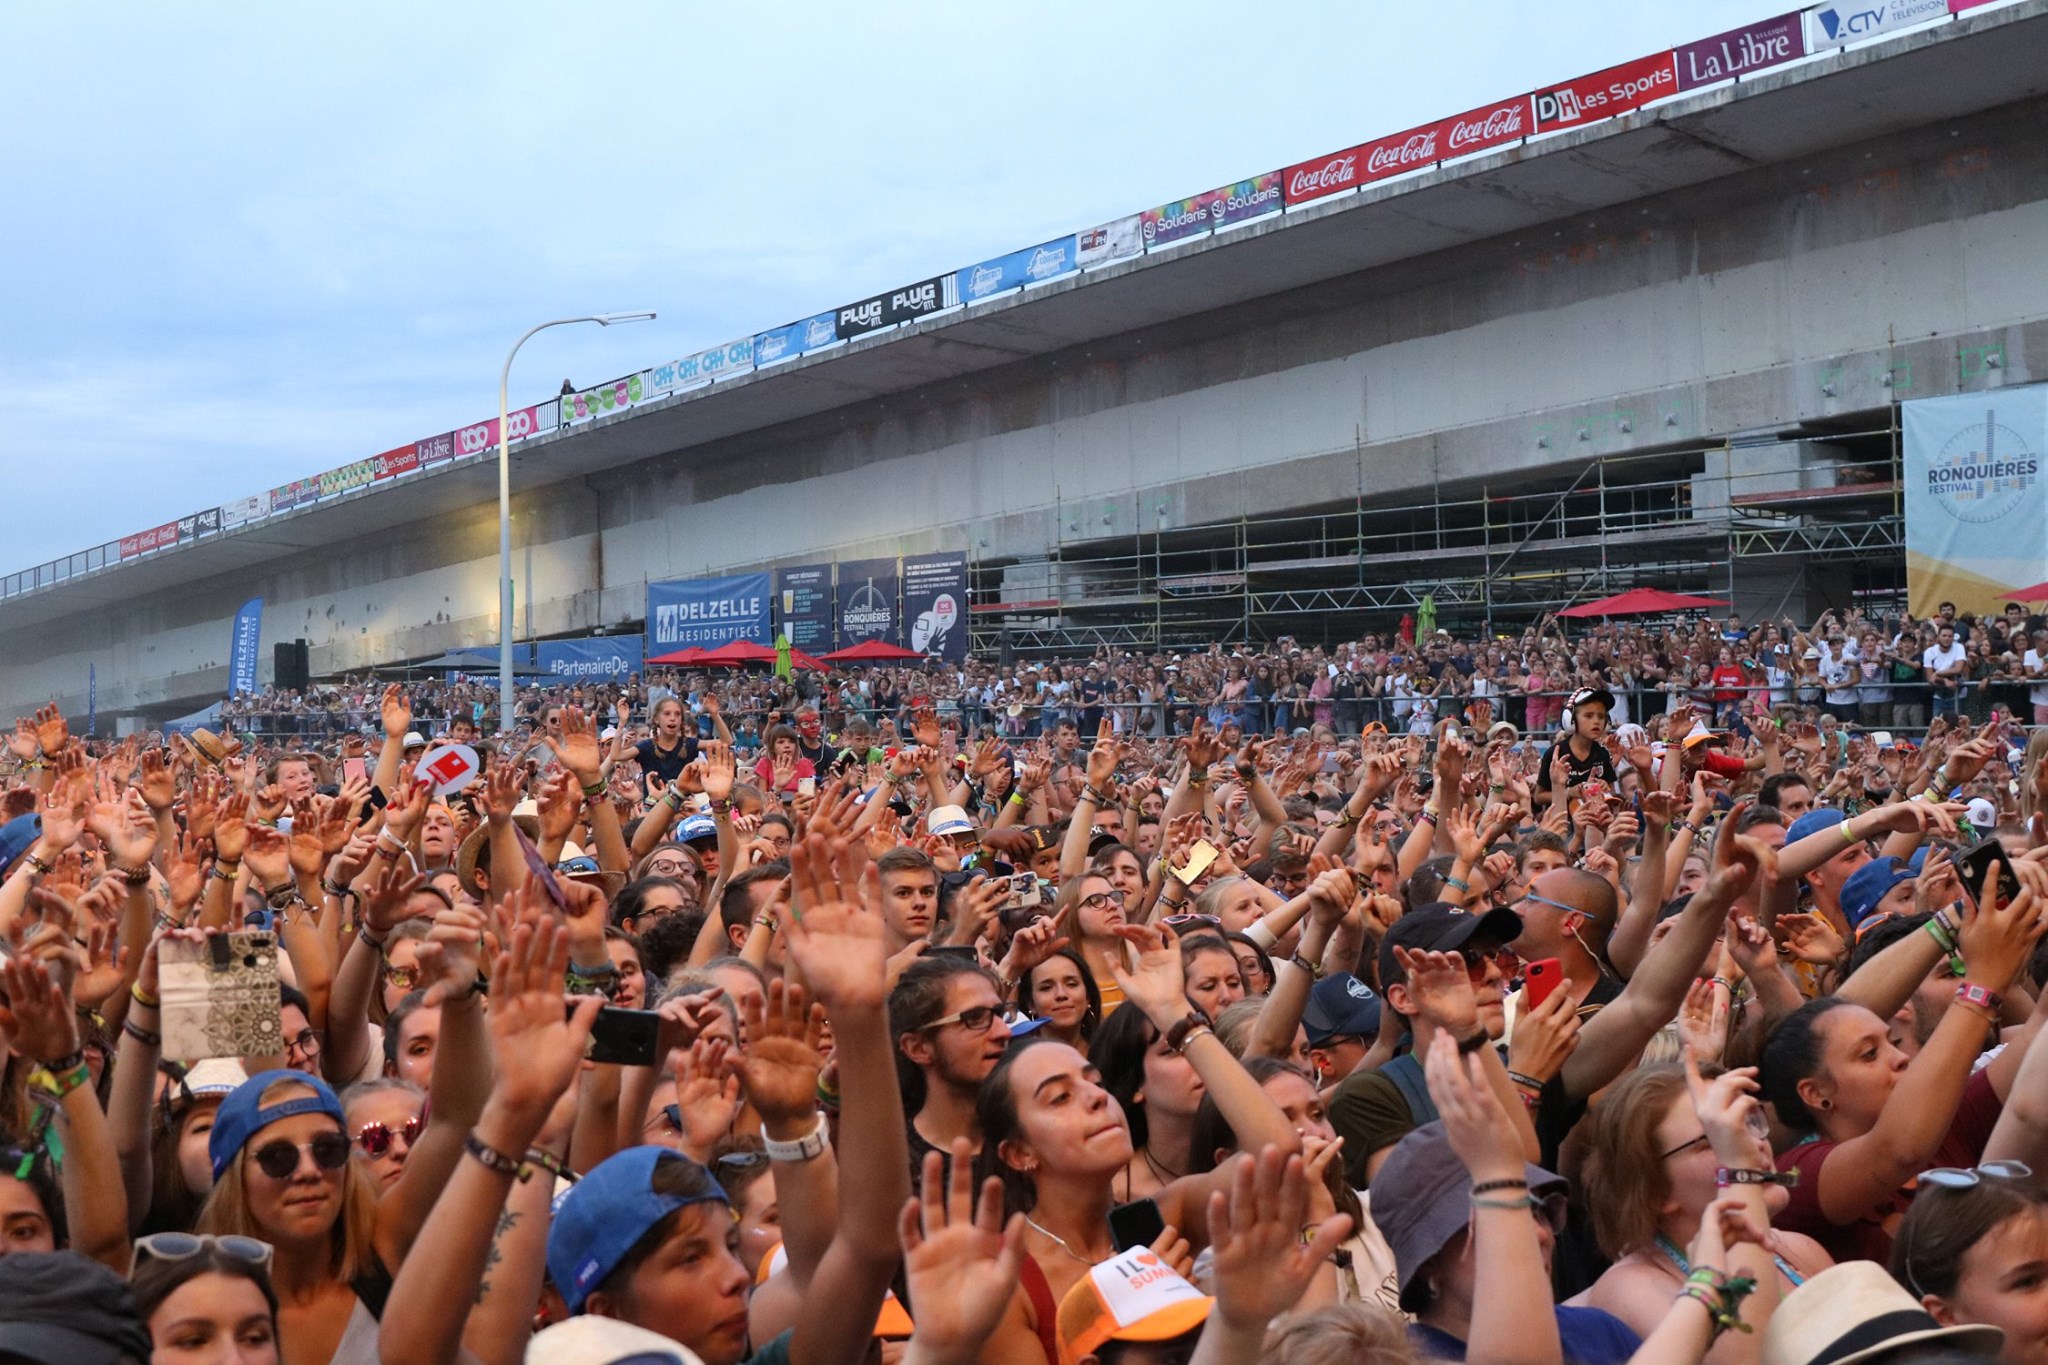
{"x": 1600, "y": 764}
{"x": 667, "y": 765}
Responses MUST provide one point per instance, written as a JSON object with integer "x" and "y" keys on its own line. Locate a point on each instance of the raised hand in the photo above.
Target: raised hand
{"x": 1151, "y": 973}
{"x": 1477, "y": 1127}
{"x": 1997, "y": 938}
{"x": 23, "y": 742}
{"x": 1728, "y": 1109}
{"x": 1441, "y": 989}
{"x": 1545, "y": 1035}
{"x": 396, "y": 712}
{"x": 159, "y": 785}
{"x": 63, "y": 821}
{"x": 38, "y": 1020}
{"x": 707, "y": 1095}
{"x": 387, "y": 904}
{"x": 779, "y": 1065}
{"x": 1703, "y": 1020}
{"x": 52, "y": 734}
{"x": 1810, "y": 938}
{"x": 577, "y": 749}
{"x": 960, "y": 1260}
{"x": 720, "y": 770}
{"x": 536, "y": 1046}
{"x": 1264, "y": 1254}
{"x": 560, "y": 806}
{"x": 831, "y": 934}
{"x": 404, "y": 814}
{"x": 449, "y": 955}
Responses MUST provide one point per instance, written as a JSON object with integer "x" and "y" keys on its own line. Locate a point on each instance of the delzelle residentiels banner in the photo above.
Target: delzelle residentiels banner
{"x": 1976, "y": 505}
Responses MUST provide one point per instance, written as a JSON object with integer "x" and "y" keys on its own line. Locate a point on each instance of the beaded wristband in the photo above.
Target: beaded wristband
{"x": 490, "y": 1157}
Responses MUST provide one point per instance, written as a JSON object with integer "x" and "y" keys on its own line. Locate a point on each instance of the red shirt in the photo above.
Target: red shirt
{"x": 1724, "y": 677}
{"x": 1870, "y": 1238}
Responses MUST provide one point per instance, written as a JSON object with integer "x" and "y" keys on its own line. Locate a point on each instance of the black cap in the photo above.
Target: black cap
{"x": 61, "y": 1308}
{"x": 1443, "y": 928}
{"x": 1340, "y": 1006}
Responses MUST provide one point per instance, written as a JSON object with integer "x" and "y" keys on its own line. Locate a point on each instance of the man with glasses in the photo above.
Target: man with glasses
{"x": 1567, "y": 914}
{"x": 946, "y": 1015}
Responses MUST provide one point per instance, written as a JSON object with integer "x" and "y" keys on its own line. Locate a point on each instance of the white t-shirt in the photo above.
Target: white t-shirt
{"x": 1840, "y": 677}
{"x": 1934, "y": 659}
{"x": 2038, "y": 693}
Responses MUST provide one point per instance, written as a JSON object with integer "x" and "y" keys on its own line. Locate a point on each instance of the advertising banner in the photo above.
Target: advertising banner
{"x": 349, "y": 476}
{"x": 614, "y": 395}
{"x": 707, "y": 611}
{"x": 251, "y": 508}
{"x": 787, "y": 343}
{"x": 803, "y": 606}
{"x": 398, "y": 460}
{"x": 1115, "y": 241}
{"x": 1849, "y": 21}
{"x": 243, "y": 647}
{"x": 156, "y": 538}
{"x": 695, "y": 371}
{"x": 1740, "y": 51}
{"x": 297, "y": 493}
{"x": 935, "y": 604}
{"x": 1032, "y": 265}
{"x": 1488, "y": 126}
{"x": 1178, "y": 221}
{"x": 1976, "y": 504}
{"x": 1322, "y": 176}
{"x": 199, "y": 524}
{"x": 867, "y": 602}
{"x": 605, "y": 658}
{"x": 435, "y": 449}
{"x": 1247, "y": 199}
{"x": 1604, "y": 94}
{"x": 907, "y": 304}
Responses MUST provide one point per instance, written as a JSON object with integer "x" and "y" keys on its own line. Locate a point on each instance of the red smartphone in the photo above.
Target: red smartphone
{"x": 1541, "y": 978}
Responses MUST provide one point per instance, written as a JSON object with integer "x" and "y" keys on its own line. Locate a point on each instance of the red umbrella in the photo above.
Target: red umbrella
{"x": 737, "y": 652}
{"x": 681, "y": 656}
{"x": 1643, "y": 602}
{"x": 799, "y": 659}
{"x": 871, "y": 651}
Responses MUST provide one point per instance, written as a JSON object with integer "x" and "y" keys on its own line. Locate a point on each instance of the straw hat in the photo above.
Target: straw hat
{"x": 1855, "y": 1311}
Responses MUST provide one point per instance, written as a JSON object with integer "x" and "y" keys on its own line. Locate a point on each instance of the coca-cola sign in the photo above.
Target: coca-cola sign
{"x": 1332, "y": 174}
{"x": 1604, "y": 94}
{"x": 1408, "y": 151}
{"x": 1479, "y": 129}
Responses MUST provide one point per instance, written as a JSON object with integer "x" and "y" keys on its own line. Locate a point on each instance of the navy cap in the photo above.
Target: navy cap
{"x": 695, "y": 827}
{"x": 1813, "y": 822}
{"x": 1444, "y": 928}
{"x": 606, "y": 1212}
{"x": 18, "y": 836}
{"x": 1340, "y": 1006}
{"x": 243, "y": 1114}
{"x": 1868, "y": 885}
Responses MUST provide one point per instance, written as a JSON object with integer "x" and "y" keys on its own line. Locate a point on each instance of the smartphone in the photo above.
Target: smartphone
{"x": 961, "y": 952}
{"x": 622, "y": 1037}
{"x": 1330, "y": 761}
{"x": 807, "y": 786}
{"x": 355, "y": 769}
{"x": 1199, "y": 858}
{"x": 1976, "y": 860}
{"x": 1136, "y": 1224}
{"x": 220, "y": 997}
{"x": 1025, "y": 892}
{"x": 1540, "y": 978}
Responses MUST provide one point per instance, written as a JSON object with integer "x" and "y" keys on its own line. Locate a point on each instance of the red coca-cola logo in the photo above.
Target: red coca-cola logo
{"x": 1311, "y": 179}
{"x": 1402, "y": 152}
{"x": 1487, "y": 127}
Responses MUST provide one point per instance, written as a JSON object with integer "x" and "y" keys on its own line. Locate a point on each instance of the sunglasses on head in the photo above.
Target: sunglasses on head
{"x": 1179, "y": 923}
{"x": 375, "y": 1138}
{"x": 1966, "y": 1177}
{"x": 183, "y": 1246}
{"x": 280, "y": 1160}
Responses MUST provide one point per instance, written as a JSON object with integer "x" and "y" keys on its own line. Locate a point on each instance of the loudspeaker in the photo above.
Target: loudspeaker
{"x": 290, "y": 665}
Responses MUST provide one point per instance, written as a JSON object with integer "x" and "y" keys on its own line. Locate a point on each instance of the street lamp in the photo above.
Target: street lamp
{"x": 505, "y": 506}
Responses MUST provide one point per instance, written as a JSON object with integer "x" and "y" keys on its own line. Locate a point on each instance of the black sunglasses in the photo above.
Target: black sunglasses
{"x": 280, "y": 1160}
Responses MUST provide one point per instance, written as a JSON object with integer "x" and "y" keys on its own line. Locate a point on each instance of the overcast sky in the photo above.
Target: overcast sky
{"x": 246, "y": 243}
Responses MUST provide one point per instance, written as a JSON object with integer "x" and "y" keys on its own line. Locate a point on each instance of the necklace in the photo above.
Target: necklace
{"x": 1058, "y": 1240}
{"x": 1166, "y": 1174}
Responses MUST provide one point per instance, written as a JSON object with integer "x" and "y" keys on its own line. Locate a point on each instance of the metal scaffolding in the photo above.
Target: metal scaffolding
{"x": 1754, "y": 514}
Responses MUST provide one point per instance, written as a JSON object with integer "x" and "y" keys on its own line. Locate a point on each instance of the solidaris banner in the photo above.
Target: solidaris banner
{"x": 867, "y": 602}
{"x": 1740, "y": 51}
{"x": 705, "y": 367}
{"x": 707, "y": 611}
{"x": 156, "y": 538}
{"x": 1604, "y": 94}
{"x": 1033, "y": 264}
{"x": 608, "y": 657}
{"x": 297, "y": 493}
{"x": 1242, "y": 202}
{"x": 907, "y": 304}
{"x": 242, "y": 647}
{"x": 1178, "y": 221}
{"x": 795, "y": 339}
{"x": 803, "y": 595}
{"x": 1976, "y": 504}
{"x": 935, "y": 604}
{"x": 1110, "y": 242}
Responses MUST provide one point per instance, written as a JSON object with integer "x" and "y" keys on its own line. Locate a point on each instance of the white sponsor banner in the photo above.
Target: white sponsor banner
{"x": 1849, "y": 21}
{"x": 251, "y": 508}
{"x": 1111, "y": 241}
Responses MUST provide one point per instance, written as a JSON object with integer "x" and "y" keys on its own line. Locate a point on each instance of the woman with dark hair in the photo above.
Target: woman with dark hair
{"x": 1974, "y": 1249}
{"x": 1829, "y": 1069}
{"x": 1254, "y": 964}
{"x": 1061, "y": 1143}
{"x": 206, "y": 1299}
{"x": 1060, "y": 991}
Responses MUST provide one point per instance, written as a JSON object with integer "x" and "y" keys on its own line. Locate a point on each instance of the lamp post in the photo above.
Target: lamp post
{"x": 505, "y": 506}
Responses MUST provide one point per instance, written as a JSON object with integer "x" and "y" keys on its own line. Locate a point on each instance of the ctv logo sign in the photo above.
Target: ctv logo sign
{"x": 1845, "y": 22}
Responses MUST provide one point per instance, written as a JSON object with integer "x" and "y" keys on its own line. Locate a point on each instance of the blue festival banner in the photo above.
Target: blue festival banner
{"x": 1032, "y": 265}
{"x": 867, "y": 602}
{"x": 803, "y": 606}
{"x": 787, "y": 343}
{"x": 603, "y": 658}
{"x": 242, "y": 647}
{"x": 707, "y": 612}
{"x": 935, "y": 604}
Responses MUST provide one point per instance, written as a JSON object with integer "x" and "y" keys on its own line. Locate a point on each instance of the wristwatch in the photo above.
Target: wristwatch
{"x": 809, "y": 1147}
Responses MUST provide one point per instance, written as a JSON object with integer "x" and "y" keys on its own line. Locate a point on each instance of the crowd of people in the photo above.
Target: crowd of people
{"x": 1316, "y": 1005}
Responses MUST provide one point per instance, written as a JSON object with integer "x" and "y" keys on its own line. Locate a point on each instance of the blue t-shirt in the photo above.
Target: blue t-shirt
{"x": 1589, "y": 1337}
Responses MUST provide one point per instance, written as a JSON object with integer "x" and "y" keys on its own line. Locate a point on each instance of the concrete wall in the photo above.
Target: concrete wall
{"x": 1780, "y": 295}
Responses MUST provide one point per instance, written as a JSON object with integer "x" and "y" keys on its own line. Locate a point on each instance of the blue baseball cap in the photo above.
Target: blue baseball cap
{"x": 1340, "y": 1006}
{"x": 1868, "y": 885}
{"x": 243, "y": 1114}
{"x": 606, "y": 1212}
{"x": 18, "y": 836}
{"x": 1813, "y": 822}
{"x": 695, "y": 827}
